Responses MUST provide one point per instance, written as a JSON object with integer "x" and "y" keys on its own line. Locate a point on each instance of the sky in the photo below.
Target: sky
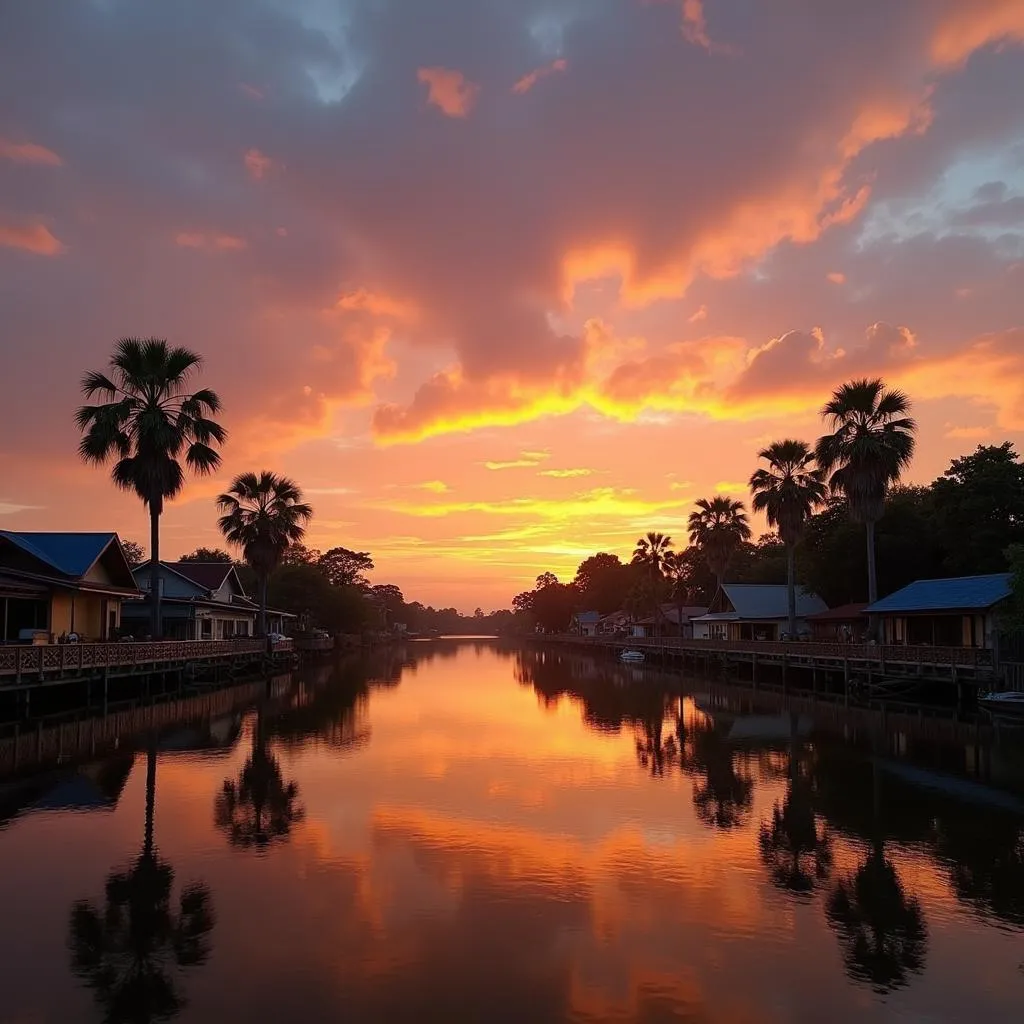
{"x": 504, "y": 284}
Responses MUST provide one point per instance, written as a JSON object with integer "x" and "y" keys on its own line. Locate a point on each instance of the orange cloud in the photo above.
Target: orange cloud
{"x": 35, "y": 238}
{"x": 566, "y": 474}
{"x": 28, "y": 153}
{"x": 527, "y": 82}
{"x": 969, "y": 26}
{"x": 836, "y": 277}
{"x": 208, "y": 240}
{"x": 377, "y": 304}
{"x": 449, "y": 91}
{"x": 700, "y": 314}
{"x": 257, "y": 163}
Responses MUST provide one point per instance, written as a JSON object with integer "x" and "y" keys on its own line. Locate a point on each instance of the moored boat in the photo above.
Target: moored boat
{"x": 632, "y": 656}
{"x": 1004, "y": 704}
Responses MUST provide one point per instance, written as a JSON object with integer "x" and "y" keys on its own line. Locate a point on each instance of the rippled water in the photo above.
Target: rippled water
{"x": 464, "y": 832}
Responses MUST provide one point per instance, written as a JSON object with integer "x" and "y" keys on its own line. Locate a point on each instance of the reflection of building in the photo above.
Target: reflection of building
{"x": 752, "y": 611}
{"x": 199, "y": 601}
{"x": 958, "y": 612}
{"x": 61, "y": 583}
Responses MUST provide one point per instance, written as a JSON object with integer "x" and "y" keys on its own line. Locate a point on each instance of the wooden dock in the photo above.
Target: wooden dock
{"x": 845, "y": 662}
{"x": 24, "y": 665}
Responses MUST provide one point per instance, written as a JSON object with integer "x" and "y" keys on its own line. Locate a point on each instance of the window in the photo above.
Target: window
{"x": 206, "y": 632}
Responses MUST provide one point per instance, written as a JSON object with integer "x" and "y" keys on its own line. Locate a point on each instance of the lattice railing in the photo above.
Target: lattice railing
{"x": 877, "y": 653}
{"x": 48, "y": 659}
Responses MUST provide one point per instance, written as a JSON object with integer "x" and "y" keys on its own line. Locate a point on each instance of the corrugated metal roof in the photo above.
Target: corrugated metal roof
{"x": 588, "y": 617}
{"x": 208, "y": 575}
{"x": 843, "y": 612}
{"x": 961, "y": 593}
{"x": 69, "y": 553}
{"x": 769, "y": 601}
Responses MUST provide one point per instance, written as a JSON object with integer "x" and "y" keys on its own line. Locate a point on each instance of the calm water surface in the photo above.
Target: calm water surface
{"x": 463, "y": 832}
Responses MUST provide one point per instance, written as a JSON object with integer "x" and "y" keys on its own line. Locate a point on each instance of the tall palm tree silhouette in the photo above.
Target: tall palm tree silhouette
{"x": 259, "y": 808}
{"x": 130, "y": 953}
{"x": 788, "y": 491}
{"x": 881, "y": 929}
{"x": 871, "y": 444}
{"x": 722, "y": 796}
{"x": 719, "y": 527}
{"x": 147, "y": 422}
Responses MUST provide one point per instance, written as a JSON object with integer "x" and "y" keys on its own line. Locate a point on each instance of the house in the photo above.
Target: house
{"x": 754, "y": 611}
{"x": 199, "y": 601}
{"x": 617, "y": 623}
{"x": 666, "y": 623}
{"x": 847, "y": 622}
{"x": 957, "y": 612}
{"x": 56, "y": 584}
{"x": 585, "y": 623}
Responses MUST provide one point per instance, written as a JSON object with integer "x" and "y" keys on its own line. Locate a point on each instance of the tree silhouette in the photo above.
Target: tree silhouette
{"x": 881, "y": 929}
{"x": 871, "y": 444}
{"x": 796, "y": 850}
{"x": 147, "y": 423}
{"x": 260, "y": 807}
{"x": 129, "y": 954}
{"x": 721, "y": 795}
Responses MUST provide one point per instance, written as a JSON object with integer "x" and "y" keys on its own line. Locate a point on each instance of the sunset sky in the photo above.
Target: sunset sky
{"x": 499, "y": 283}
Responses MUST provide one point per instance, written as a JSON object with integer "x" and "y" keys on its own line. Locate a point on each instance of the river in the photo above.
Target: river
{"x": 464, "y": 831}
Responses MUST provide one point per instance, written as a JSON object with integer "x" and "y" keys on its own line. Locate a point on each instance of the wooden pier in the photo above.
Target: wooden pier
{"x": 847, "y": 665}
{"x": 25, "y": 666}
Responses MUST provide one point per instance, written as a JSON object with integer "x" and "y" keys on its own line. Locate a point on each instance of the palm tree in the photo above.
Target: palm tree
{"x": 146, "y": 422}
{"x": 718, "y": 527}
{"x": 126, "y": 953}
{"x": 871, "y": 444}
{"x": 788, "y": 492}
{"x": 651, "y": 551}
{"x": 677, "y": 572}
{"x": 263, "y": 515}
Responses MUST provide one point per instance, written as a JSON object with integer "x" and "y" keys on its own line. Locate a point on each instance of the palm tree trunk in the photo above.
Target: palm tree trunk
{"x": 791, "y": 587}
{"x": 147, "y": 849}
{"x": 872, "y": 578}
{"x": 263, "y": 604}
{"x": 155, "y": 610}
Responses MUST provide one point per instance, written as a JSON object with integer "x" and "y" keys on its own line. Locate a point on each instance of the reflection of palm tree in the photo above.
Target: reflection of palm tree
{"x": 260, "y": 808}
{"x": 652, "y": 752}
{"x": 881, "y": 929}
{"x": 797, "y": 852}
{"x": 721, "y": 795}
{"x": 126, "y": 954}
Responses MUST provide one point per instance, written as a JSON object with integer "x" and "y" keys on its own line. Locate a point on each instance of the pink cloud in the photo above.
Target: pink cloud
{"x": 257, "y": 164}
{"x": 527, "y": 82}
{"x": 28, "y": 153}
{"x": 30, "y": 237}
{"x": 209, "y": 240}
{"x": 449, "y": 91}
{"x": 969, "y": 26}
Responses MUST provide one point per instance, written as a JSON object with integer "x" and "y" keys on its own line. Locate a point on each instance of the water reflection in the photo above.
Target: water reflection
{"x": 260, "y": 807}
{"x": 795, "y": 843}
{"x": 128, "y": 951}
{"x": 450, "y": 834}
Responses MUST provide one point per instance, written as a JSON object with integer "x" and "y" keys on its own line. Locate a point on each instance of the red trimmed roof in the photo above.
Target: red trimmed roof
{"x": 846, "y": 612}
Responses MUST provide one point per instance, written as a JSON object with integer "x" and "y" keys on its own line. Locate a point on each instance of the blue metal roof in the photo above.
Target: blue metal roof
{"x": 769, "y": 601}
{"x": 962, "y": 593}
{"x": 69, "y": 553}
{"x": 588, "y": 617}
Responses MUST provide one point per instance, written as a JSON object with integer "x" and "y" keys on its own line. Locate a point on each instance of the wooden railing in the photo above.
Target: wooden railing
{"x": 880, "y": 654}
{"x": 45, "y": 659}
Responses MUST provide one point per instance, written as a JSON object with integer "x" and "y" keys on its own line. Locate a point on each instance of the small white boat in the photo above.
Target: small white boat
{"x": 1008, "y": 703}
{"x": 632, "y": 656}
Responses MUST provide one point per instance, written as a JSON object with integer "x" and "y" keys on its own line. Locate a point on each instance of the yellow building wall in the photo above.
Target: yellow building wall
{"x": 88, "y": 614}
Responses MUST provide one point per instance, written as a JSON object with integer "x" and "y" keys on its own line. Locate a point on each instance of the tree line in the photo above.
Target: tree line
{"x": 840, "y": 524}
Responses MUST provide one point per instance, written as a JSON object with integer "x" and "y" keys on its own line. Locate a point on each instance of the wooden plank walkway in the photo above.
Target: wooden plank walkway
{"x": 40, "y": 662}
